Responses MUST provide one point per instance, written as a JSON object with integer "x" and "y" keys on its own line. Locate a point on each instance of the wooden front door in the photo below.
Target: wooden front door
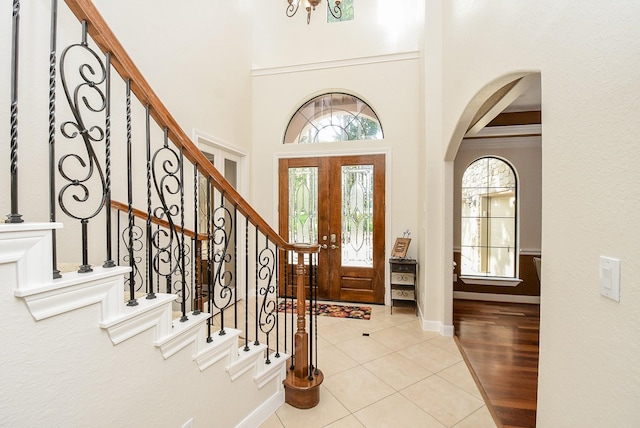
{"x": 337, "y": 202}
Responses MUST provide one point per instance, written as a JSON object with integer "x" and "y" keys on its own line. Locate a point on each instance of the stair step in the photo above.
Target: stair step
{"x": 25, "y": 264}
{"x": 221, "y": 346}
{"x": 252, "y": 358}
{"x": 276, "y": 368}
{"x": 183, "y": 333}
{"x": 72, "y": 291}
{"x": 133, "y": 320}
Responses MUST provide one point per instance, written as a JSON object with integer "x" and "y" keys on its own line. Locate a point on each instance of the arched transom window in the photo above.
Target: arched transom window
{"x": 489, "y": 218}
{"x": 333, "y": 117}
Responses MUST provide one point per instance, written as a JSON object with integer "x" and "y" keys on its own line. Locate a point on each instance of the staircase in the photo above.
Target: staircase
{"x": 74, "y": 354}
{"x": 101, "y": 346}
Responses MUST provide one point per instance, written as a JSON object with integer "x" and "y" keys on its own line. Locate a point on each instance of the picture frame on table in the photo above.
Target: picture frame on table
{"x": 400, "y": 248}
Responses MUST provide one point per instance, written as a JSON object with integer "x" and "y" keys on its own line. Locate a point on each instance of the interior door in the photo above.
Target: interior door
{"x": 337, "y": 202}
{"x": 221, "y": 227}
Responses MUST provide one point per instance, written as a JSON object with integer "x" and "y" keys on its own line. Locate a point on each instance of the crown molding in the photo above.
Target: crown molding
{"x": 531, "y": 130}
{"x": 351, "y": 62}
{"x": 505, "y": 141}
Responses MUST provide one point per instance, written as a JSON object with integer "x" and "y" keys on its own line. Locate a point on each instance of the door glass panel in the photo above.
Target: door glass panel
{"x": 231, "y": 172}
{"x": 219, "y": 222}
{"x": 202, "y": 198}
{"x": 357, "y": 215}
{"x": 303, "y": 205}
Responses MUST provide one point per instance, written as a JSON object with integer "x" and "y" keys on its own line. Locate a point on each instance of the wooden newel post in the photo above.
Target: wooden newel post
{"x": 301, "y": 389}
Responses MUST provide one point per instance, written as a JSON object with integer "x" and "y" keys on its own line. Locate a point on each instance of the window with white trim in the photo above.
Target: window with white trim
{"x": 489, "y": 219}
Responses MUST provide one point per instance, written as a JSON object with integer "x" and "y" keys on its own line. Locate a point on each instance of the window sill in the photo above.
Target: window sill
{"x": 491, "y": 280}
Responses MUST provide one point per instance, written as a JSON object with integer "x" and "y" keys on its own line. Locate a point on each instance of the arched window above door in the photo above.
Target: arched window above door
{"x": 333, "y": 117}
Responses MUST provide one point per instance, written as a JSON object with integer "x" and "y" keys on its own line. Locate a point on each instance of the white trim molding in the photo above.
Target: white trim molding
{"x": 429, "y": 325}
{"x": 489, "y": 297}
{"x": 491, "y": 280}
{"x": 202, "y": 138}
{"x": 312, "y": 66}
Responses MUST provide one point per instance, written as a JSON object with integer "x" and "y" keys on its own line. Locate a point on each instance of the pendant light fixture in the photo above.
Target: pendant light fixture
{"x": 310, "y": 5}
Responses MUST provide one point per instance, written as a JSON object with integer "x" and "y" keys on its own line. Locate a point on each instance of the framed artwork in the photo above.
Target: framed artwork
{"x": 400, "y": 248}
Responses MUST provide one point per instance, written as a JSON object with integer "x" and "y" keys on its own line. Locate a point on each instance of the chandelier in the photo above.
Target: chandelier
{"x": 310, "y": 5}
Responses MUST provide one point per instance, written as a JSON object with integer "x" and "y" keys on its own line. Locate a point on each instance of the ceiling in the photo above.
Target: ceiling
{"x": 530, "y": 99}
{"x": 513, "y": 110}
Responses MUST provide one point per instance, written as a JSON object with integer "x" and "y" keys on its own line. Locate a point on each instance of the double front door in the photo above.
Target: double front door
{"x": 337, "y": 202}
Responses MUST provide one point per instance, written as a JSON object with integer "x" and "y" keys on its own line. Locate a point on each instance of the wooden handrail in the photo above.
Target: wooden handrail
{"x": 106, "y": 41}
{"x": 119, "y": 206}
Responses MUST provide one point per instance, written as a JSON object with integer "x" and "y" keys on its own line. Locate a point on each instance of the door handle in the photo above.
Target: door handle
{"x": 333, "y": 246}
{"x": 323, "y": 246}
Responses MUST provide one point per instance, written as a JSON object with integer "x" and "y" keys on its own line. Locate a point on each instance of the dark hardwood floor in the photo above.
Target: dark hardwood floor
{"x": 500, "y": 341}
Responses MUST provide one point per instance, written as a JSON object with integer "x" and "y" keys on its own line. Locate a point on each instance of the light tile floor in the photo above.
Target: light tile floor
{"x": 397, "y": 376}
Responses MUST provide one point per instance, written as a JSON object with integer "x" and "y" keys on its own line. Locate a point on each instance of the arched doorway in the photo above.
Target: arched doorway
{"x": 503, "y": 120}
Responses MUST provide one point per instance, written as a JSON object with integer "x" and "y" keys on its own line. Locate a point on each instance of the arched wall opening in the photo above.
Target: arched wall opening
{"x": 483, "y": 109}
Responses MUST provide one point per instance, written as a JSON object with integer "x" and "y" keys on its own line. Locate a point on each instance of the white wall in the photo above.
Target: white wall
{"x": 374, "y": 57}
{"x": 588, "y": 60}
{"x": 390, "y": 88}
{"x": 380, "y": 27}
{"x": 196, "y": 56}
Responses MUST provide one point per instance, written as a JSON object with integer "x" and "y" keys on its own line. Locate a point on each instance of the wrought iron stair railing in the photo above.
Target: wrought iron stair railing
{"x": 200, "y": 239}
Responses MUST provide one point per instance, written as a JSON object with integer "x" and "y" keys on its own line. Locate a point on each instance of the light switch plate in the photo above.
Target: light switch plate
{"x": 610, "y": 278}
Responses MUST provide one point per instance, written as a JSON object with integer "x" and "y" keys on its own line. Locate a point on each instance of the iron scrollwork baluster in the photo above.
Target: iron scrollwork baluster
{"x": 52, "y": 134}
{"x": 108, "y": 263}
{"x": 166, "y": 166}
{"x": 85, "y": 99}
{"x": 14, "y": 217}
{"x": 132, "y": 236}
{"x": 223, "y": 291}
{"x": 183, "y": 248}
{"x": 182, "y": 257}
{"x": 209, "y": 270}
{"x": 268, "y": 309}
{"x": 246, "y": 285}
{"x": 130, "y": 218}
{"x": 196, "y": 256}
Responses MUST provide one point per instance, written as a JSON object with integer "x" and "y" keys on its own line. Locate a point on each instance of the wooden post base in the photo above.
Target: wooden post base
{"x": 302, "y": 393}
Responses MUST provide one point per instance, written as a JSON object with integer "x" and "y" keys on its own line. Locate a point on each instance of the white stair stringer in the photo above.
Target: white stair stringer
{"x": 276, "y": 369}
{"x": 28, "y": 247}
{"x": 26, "y": 267}
{"x": 72, "y": 291}
{"x": 253, "y": 358}
{"x": 192, "y": 330}
{"x": 221, "y": 346}
{"x": 148, "y": 313}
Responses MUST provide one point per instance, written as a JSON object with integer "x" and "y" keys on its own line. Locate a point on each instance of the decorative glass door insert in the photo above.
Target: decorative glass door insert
{"x": 332, "y": 201}
{"x": 303, "y": 205}
{"x": 357, "y": 215}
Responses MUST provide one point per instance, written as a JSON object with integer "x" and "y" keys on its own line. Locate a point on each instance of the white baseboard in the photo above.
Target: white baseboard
{"x": 262, "y": 413}
{"x": 489, "y": 297}
{"x": 427, "y": 325}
